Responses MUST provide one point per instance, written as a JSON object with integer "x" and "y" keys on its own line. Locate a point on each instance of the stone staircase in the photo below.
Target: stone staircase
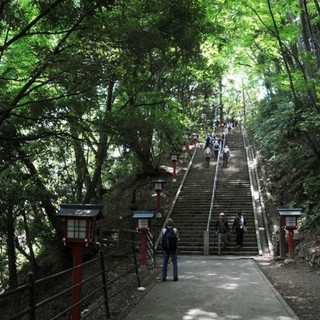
{"x": 233, "y": 193}
{"x": 190, "y": 213}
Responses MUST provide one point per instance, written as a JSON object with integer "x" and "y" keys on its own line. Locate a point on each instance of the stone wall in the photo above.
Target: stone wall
{"x": 310, "y": 252}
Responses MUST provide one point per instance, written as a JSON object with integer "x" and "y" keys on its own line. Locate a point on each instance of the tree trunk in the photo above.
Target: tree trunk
{"x": 91, "y": 194}
{"x": 31, "y": 255}
{"x": 83, "y": 176}
{"x": 221, "y": 102}
{"x": 12, "y": 260}
{"x": 308, "y": 38}
{"x": 45, "y": 196}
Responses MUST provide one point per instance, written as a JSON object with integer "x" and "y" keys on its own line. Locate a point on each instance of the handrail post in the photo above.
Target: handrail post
{"x": 135, "y": 263}
{"x": 32, "y": 302}
{"x": 104, "y": 283}
{"x": 206, "y": 242}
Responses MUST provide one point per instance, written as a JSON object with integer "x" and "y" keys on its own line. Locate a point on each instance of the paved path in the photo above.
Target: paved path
{"x": 211, "y": 288}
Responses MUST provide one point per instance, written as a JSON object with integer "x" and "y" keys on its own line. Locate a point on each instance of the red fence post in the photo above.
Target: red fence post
{"x": 76, "y": 281}
{"x": 158, "y": 200}
{"x": 143, "y": 247}
{"x": 290, "y": 243}
{"x": 174, "y": 170}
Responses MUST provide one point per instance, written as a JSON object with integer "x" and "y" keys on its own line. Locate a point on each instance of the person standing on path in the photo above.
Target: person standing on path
{"x": 239, "y": 225}
{"x": 222, "y": 230}
{"x": 169, "y": 240}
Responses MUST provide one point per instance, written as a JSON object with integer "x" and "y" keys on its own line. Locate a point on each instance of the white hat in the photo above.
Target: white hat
{"x": 221, "y": 214}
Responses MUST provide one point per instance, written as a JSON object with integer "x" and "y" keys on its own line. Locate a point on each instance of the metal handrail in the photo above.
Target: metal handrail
{"x": 214, "y": 188}
{"x": 207, "y": 231}
{"x": 253, "y": 175}
{"x": 176, "y": 197}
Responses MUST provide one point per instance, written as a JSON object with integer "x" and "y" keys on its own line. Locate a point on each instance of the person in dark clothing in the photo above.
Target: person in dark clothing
{"x": 207, "y": 155}
{"x": 222, "y": 230}
{"x": 239, "y": 225}
{"x": 168, "y": 253}
{"x": 225, "y": 156}
{"x": 216, "y": 148}
{"x": 208, "y": 142}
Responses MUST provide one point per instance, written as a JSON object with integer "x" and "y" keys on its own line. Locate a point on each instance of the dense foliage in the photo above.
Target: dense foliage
{"x": 94, "y": 90}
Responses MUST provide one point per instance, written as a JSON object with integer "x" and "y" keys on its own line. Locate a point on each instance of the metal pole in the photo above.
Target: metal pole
{"x": 158, "y": 200}
{"x": 135, "y": 263}
{"x": 32, "y": 302}
{"x": 282, "y": 234}
{"x": 104, "y": 283}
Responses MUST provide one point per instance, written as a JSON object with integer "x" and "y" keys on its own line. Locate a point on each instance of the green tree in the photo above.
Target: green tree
{"x": 75, "y": 76}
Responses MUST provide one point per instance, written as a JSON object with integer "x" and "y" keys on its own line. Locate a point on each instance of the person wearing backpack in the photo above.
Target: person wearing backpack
{"x": 239, "y": 225}
{"x": 222, "y": 230}
{"x": 208, "y": 141}
{"x": 169, "y": 241}
{"x": 216, "y": 148}
{"x": 207, "y": 154}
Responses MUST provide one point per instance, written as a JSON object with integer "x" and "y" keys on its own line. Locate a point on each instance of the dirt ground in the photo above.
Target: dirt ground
{"x": 298, "y": 283}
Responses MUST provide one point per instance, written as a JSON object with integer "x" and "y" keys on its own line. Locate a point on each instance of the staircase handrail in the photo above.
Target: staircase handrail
{"x": 254, "y": 206}
{"x": 213, "y": 190}
{"x": 207, "y": 231}
{"x": 255, "y": 176}
{"x": 264, "y": 216}
{"x": 176, "y": 197}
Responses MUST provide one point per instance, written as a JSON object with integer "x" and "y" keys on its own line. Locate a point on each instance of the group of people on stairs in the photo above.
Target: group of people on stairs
{"x": 214, "y": 144}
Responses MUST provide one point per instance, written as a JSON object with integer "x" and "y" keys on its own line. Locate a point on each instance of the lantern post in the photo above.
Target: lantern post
{"x": 174, "y": 159}
{"x": 186, "y": 141}
{"x": 79, "y": 221}
{"x": 289, "y": 219}
{"x": 143, "y": 226}
{"x": 195, "y": 139}
{"x": 158, "y": 187}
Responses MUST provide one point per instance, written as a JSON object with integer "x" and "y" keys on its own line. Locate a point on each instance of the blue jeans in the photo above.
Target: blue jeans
{"x": 174, "y": 259}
